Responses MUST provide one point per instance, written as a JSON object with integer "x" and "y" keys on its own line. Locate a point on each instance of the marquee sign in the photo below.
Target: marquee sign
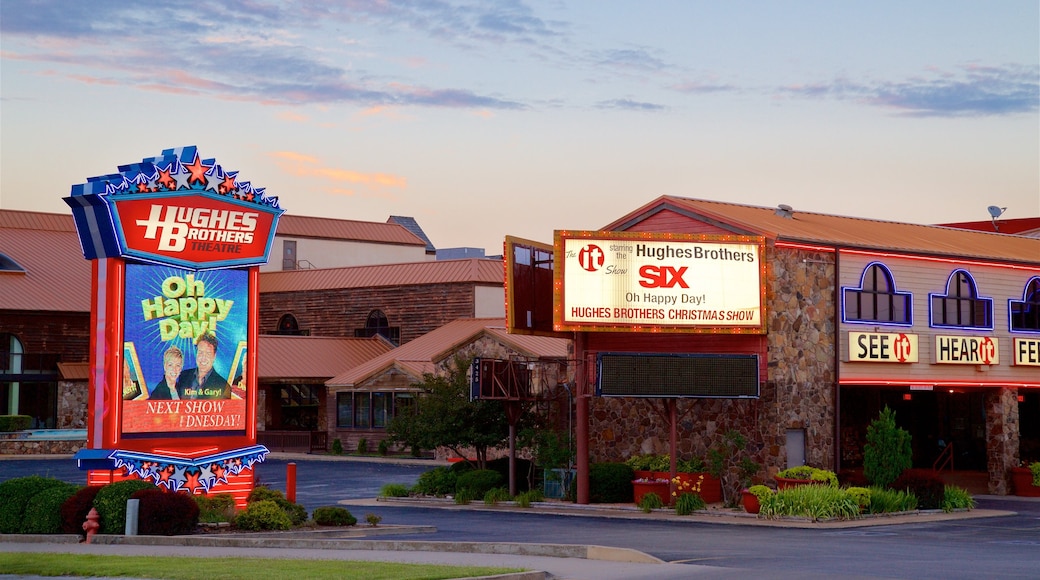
{"x": 623, "y": 281}
{"x": 1027, "y": 352}
{"x": 175, "y": 209}
{"x": 177, "y": 243}
{"x": 882, "y": 347}
{"x": 967, "y": 350}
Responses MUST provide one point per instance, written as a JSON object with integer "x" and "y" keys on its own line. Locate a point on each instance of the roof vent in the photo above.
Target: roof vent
{"x": 785, "y": 211}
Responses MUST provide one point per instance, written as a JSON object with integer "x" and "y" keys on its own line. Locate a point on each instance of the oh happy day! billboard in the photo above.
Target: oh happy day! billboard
{"x": 623, "y": 281}
{"x": 179, "y": 241}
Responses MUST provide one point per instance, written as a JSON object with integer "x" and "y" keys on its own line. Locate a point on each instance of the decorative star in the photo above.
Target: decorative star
{"x": 178, "y": 479}
{"x": 164, "y": 178}
{"x": 198, "y": 171}
{"x": 183, "y": 177}
{"x": 229, "y": 182}
{"x": 191, "y": 480}
{"x": 219, "y": 472}
{"x": 206, "y": 477}
{"x": 216, "y": 177}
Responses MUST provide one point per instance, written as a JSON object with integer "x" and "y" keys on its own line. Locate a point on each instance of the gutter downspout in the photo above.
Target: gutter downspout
{"x": 837, "y": 360}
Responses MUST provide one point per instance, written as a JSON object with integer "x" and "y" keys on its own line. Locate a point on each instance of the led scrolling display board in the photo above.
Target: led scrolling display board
{"x": 706, "y": 376}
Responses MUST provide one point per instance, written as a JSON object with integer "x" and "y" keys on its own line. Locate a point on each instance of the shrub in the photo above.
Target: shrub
{"x": 861, "y": 495}
{"x": 928, "y": 488}
{"x": 362, "y": 446}
{"x": 43, "y": 511}
{"x": 610, "y": 483}
{"x": 811, "y": 473}
{"x": 164, "y": 513}
{"x": 393, "y": 490}
{"x": 463, "y": 497}
{"x": 887, "y": 453}
{"x": 695, "y": 465}
{"x": 337, "y": 447}
{"x": 650, "y": 501}
{"x": 111, "y": 504}
{"x": 478, "y": 482}
{"x": 687, "y": 503}
{"x": 215, "y": 508}
{"x": 75, "y": 509}
{"x": 263, "y": 515}
{"x": 643, "y": 462}
{"x": 760, "y": 491}
{"x": 887, "y": 501}
{"x": 956, "y": 498}
{"x": 296, "y": 512}
{"x": 373, "y": 520}
{"x": 15, "y": 495}
{"x": 333, "y": 516}
{"x": 10, "y": 423}
{"x": 460, "y": 467}
{"x": 524, "y": 499}
{"x": 493, "y": 496}
{"x": 815, "y": 502}
{"x": 384, "y": 447}
{"x": 439, "y": 481}
{"x": 501, "y": 465}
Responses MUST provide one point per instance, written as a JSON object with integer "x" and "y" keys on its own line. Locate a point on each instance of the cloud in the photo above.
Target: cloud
{"x": 301, "y": 165}
{"x": 247, "y": 50}
{"x": 703, "y": 88}
{"x": 970, "y": 91}
{"x": 633, "y": 59}
{"x": 630, "y": 105}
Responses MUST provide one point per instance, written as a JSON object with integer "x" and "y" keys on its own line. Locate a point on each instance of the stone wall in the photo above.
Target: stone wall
{"x": 29, "y": 447}
{"x": 72, "y": 405}
{"x": 798, "y": 392}
{"x": 1002, "y": 437}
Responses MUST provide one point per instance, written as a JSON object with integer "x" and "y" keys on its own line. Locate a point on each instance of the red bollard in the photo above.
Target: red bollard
{"x": 290, "y": 482}
{"x": 91, "y": 525}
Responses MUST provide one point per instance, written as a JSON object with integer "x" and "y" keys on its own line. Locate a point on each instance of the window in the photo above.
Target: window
{"x": 876, "y": 299}
{"x": 377, "y": 323}
{"x": 1025, "y": 313}
{"x": 344, "y": 410}
{"x": 28, "y": 383}
{"x": 371, "y": 410}
{"x": 9, "y": 265}
{"x": 287, "y": 324}
{"x": 961, "y": 306}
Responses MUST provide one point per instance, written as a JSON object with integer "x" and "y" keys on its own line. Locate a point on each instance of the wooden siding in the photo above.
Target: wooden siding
{"x": 922, "y": 277}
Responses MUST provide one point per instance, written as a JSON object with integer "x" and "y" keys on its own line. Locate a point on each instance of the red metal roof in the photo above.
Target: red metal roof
{"x": 421, "y": 355}
{"x": 327, "y": 228}
{"x": 57, "y": 277}
{"x": 1019, "y": 226}
{"x": 475, "y": 270}
{"x": 314, "y": 357}
{"x": 847, "y": 232}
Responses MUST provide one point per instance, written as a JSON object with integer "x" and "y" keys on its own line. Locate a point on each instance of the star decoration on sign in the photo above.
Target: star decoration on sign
{"x": 197, "y": 171}
{"x": 164, "y": 179}
{"x": 182, "y": 176}
{"x": 228, "y": 184}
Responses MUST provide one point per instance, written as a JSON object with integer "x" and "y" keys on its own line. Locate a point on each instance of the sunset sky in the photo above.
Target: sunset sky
{"x": 486, "y": 119}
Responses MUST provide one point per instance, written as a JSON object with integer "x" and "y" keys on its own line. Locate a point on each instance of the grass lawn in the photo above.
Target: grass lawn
{"x": 49, "y": 564}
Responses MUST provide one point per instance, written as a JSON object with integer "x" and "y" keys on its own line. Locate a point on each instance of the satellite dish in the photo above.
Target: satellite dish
{"x": 995, "y": 211}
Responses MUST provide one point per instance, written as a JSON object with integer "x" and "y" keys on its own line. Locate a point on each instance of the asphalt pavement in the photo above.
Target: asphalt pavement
{"x": 554, "y": 538}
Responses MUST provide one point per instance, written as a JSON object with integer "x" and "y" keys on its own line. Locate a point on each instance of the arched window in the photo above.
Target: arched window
{"x": 377, "y": 323}
{"x": 9, "y": 265}
{"x": 11, "y": 352}
{"x": 876, "y": 299}
{"x": 287, "y": 324}
{"x": 961, "y": 306}
{"x": 1025, "y": 313}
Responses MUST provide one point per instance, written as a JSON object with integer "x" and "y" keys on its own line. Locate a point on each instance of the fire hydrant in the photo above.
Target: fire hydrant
{"x": 91, "y": 525}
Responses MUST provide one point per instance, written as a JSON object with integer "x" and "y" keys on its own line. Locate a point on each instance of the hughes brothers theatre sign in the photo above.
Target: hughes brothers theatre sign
{"x": 621, "y": 281}
{"x": 177, "y": 242}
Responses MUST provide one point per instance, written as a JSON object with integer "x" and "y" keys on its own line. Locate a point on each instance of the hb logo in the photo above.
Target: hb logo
{"x": 590, "y": 258}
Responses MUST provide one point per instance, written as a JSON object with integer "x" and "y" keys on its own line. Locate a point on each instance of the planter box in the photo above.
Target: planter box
{"x": 711, "y": 486}
{"x": 1022, "y": 480}
{"x": 750, "y": 502}
{"x": 639, "y": 489}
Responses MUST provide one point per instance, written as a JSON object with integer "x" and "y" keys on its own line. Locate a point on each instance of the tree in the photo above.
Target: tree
{"x": 887, "y": 453}
{"x": 445, "y": 417}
